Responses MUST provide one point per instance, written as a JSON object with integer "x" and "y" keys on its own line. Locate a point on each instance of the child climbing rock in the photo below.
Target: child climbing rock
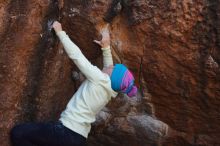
{"x": 96, "y": 91}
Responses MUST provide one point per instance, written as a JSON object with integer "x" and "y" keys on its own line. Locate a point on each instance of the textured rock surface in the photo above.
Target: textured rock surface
{"x": 172, "y": 46}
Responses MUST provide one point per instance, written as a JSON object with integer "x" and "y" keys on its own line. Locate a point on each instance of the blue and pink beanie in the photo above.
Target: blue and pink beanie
{"x": 122, "y": 80}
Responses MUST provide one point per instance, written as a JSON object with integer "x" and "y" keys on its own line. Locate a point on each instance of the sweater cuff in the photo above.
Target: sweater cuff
{"x": 106, "y": 48}
{"x": 61, "y": 34}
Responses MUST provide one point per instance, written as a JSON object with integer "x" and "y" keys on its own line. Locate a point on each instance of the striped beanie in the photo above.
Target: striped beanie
{"x": 122, "y": 80}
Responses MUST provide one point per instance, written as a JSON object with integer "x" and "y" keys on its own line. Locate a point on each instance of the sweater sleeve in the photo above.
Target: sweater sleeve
{"x": 90, "y": 71}
{"x": 107, "y": 56}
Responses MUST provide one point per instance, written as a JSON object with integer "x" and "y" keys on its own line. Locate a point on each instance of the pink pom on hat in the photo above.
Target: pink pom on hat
{"x": 133, "y": 91}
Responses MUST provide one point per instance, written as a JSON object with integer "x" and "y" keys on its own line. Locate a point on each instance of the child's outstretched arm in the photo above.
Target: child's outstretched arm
{"x": 91, "y": 72}
{"x": 106, "y": 50}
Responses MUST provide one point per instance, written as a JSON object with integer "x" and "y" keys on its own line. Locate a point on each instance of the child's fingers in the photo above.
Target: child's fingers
{"x": 97, "y": 42}
{"x": 56, "y": 23}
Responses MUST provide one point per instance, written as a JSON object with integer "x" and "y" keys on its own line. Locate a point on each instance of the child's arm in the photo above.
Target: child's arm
{"x": 90, "y": 71}
{"x": 106, "y": 50}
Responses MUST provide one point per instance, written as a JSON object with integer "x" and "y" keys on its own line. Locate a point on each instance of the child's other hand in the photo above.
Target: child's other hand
{"x": 105, "y": 42}
{"x": 57, "y": 26}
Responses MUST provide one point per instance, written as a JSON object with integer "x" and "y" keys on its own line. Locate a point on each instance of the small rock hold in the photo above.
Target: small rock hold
{"x": 74, "y": 10}
{"x": 102, "y": 116}
{"x": 118, "y": 8}
{"x": 210, "y": 62}
{"x": 61, "y": 4}
{"x": 75, "y": 76}
{"x": 60, "y": 51}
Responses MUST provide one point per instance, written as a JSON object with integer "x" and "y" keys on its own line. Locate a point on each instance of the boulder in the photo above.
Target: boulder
{"x": 171, "y": 46}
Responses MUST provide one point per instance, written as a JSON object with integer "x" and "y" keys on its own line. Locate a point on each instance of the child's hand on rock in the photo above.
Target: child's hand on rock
{"x": 105, "y": 42}
{"x": 57, "y": 26}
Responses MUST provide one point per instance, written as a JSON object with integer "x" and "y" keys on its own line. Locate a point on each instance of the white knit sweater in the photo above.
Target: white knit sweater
{"x": 94, "y": 93}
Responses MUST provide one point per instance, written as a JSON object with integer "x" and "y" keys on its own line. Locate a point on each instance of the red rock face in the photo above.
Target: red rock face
{"x": 172, "y": 47}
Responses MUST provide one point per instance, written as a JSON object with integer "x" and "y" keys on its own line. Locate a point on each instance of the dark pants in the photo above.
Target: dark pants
{"x": 45, "y": 134}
